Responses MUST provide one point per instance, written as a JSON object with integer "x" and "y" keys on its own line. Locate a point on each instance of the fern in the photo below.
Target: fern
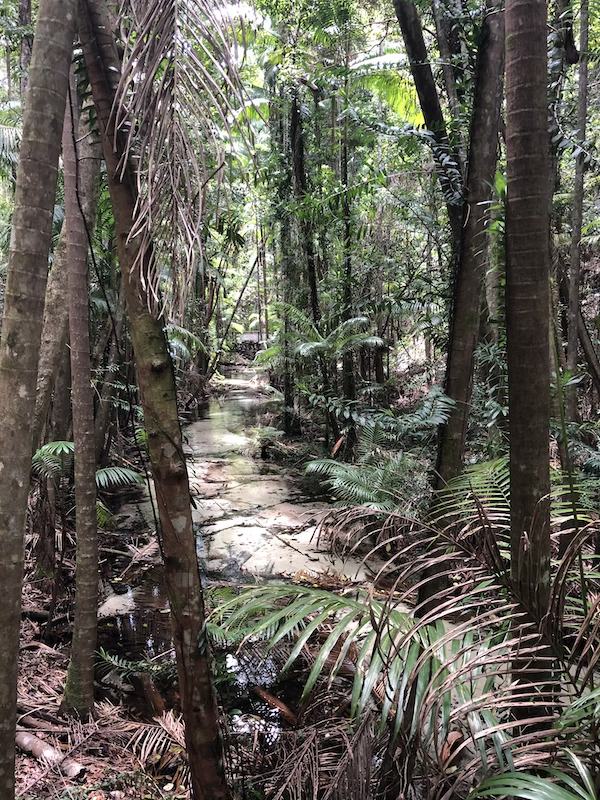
{"x": 183, "y": 344}
{"x": 112, "y": 477}
{"x": 164, "y": 668}
{"x": 55, "y": 460}
{"x": 384, "y": 486}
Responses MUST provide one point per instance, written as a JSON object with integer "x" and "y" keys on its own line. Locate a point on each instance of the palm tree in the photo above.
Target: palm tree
{"x": 528, "y": 302}
{"x": 79, "y": 689}
{"x": 21, "y": 329}
{"x": 56, "y": 323}
{"x": 464, "y": 329}
{"x": 158, "y": 395}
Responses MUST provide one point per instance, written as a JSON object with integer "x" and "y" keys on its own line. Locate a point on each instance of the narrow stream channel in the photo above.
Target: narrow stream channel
{"x": 255, "y": 521}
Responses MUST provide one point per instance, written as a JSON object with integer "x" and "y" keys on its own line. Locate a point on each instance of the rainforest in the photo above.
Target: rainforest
{"x": 299, "y": 399}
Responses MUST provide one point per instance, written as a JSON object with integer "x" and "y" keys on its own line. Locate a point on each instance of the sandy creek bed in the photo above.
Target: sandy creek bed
{"x": 255, "y": 521}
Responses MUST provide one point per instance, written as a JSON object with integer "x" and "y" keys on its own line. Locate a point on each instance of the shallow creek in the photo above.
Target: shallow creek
{"x": 255, "y": 521}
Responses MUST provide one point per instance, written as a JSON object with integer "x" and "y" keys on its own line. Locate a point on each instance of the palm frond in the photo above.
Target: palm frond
{"x": 178, "y": 88}
{"x": 53, "y": 459}
{"x": 113, "y": 477}
{"x": 349, "y": 643}
{"x": 556, "y": 786}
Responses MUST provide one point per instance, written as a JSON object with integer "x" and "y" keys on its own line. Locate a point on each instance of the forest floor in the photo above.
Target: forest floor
{"x": 257, "y": 520}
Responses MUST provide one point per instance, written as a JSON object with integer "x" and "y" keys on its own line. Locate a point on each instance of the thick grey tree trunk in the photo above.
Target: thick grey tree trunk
{"x": 156, "y": 381}
{"x": 21, "y": 328}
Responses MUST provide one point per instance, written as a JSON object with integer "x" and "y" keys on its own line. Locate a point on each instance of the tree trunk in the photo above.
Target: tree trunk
{"x": 102, "y": 420}
{"x": 414, "y": 42}
{"x": 158, "y": 397}
{"x": 527, "y": 290}
{"x": 56, "y": 316}
{"x": 307, "y": 231}
{"x": 348, "y": 378}
{"x": 26, "y": 42}
{"x": 443, "y": 24}
{"x": 577, "y": 219}
{"x": 79, "y": 688}
{"x": 21, "y": 329}
{"x": 464, "y": 330}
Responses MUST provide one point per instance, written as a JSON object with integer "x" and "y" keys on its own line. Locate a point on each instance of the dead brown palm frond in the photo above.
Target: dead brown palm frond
{"x": 178, "y": 92}
{"x": 329, "y": 759}
{"x": 160, "y": 747}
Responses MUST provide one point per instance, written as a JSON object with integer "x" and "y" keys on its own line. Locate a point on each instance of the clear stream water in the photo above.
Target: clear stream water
{"x": 255, "y": 521}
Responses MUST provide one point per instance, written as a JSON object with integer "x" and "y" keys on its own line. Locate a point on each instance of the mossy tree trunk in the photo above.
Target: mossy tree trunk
{"x": 158, "y": 397}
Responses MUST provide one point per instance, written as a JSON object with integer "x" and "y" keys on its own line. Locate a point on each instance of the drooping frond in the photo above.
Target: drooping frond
{"x": 178, "y": 90}
{"x": 551, "y": 785}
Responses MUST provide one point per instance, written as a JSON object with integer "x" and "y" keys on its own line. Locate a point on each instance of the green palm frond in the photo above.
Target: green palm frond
{"x": 280, "y": 612}
{"x": 183, "y": 343}
{"x": 384, "y": 485}
{"x": 113, "y": 477}
{"x": 268, "y": 357}
{"x": 53, "y": 459}
{"x": 486, "y": 487}
{"x": 556, "y": 786}
{"x": 299, "y": 320}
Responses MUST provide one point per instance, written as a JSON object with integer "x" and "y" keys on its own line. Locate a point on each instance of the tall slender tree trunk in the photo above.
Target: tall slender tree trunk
{"x": 158, "y": 396}
{"x": 348, "y": 377}
{"x": 56, "y": 308}
{"x": 79, "y": 688}
{"x": 307, "y": 231}
{"x": 104, "y": 407}
{"x": 281, "y": 134}
{"x": 577, "y": 218}
{"x": 54, "y": 338}
{"x": 473, "y": 257}
{"x": 21, "y": 329}
{"x": 26, "y": 42}
{"x": 527, "y": 298}
{"x": 416, "y": 50}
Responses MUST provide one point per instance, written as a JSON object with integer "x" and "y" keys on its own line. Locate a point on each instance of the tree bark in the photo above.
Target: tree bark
{"x": 102, "y": 420}
{"x": 158, "y": 396}
{"x": 54, "y": 338}
{"x": 21, "y": 329}
{"x": 577, "y": 218}
{"x": 414, "y": 42}
{"x": 26, "y": 42}
{"x": 307, "y": 230}
{"x": 56, "y": 310}
{"x": 483, "y": 153}
{"x": 527, "y": 290}
{"x": 79, "y": 688}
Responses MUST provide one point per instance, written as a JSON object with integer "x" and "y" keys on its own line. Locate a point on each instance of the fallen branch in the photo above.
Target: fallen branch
{"x": 275, "y": 702}
{"x": 50, "y": 755}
